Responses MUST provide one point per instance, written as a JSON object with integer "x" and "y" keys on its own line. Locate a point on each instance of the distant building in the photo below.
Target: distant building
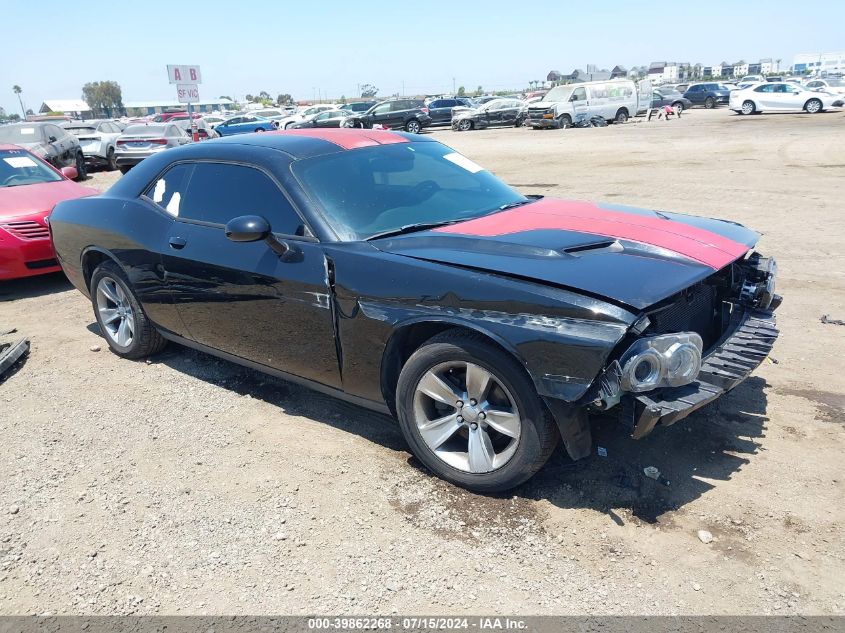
{"x": 663, "y": 72}
{"x": 139, "y": 108}
{"x": 554, "y": 76}
{"x": 740, "y": 69}
{"x": 819, "y": 63}
{"x": 72, "y": 107}
{"x": 591, "y": 74}
{"x": 618, "y": 72}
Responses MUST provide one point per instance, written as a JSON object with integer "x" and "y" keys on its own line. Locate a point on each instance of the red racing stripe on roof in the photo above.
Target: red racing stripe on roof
{"x": 349, "y": 138}
{"x": 706, "y": 247}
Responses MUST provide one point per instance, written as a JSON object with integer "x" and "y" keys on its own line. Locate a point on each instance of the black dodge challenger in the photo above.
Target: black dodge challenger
{"x": 387, "y": 269}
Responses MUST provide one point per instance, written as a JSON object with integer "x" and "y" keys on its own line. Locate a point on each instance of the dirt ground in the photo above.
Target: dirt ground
{"x": 190, "y": 485}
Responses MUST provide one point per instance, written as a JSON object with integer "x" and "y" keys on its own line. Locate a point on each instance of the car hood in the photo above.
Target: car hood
{"x": 631, "y": 256}
{"x": 28, "y": 199}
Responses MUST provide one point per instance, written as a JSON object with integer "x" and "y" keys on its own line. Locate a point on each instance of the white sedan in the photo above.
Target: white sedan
{"x": 781, "y": 97}
{"x": 827, "y": 85}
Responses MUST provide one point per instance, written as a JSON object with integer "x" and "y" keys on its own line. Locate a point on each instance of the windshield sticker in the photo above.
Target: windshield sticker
{"x": 462, "y": 161}
{"x": 19, "y": 162}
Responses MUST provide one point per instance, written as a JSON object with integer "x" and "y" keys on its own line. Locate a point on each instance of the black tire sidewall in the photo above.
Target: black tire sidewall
{"x": 413, "y": 123}
{"x": 81, "y": 174}
{"x": 523, "y": 464}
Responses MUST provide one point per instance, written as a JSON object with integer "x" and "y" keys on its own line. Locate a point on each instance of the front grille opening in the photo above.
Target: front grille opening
{"x": 693, "y": 310}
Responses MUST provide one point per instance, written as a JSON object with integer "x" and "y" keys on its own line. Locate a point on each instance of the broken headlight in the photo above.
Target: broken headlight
{"x": 668, "y": 360}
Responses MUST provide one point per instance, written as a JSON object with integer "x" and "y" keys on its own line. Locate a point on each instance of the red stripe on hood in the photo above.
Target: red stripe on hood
{"x": 349, "y": 138}
{"x": 706, "y": 247}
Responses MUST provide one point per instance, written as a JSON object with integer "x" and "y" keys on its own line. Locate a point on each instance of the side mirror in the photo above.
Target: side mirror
{"x": 254, "y": 228}
{"x": 70, "y": 172}
{"x": 52, "y": 139}
{"x": 247, "y": 228}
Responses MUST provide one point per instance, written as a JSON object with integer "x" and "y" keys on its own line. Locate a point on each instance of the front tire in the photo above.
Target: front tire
{"x": 122, "y": 320}
{"x": 564, "y": 122}
{"x": 813, "y": 106}
{"x": 413, "y": 127}
{"x": 748, "y": 107}
{"x": 471, "y": 414}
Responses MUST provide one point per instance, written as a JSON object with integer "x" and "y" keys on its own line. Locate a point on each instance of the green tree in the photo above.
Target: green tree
{"x": 479, "y": 91}
{"x": 343, "y": 98}
{"x": 368, "y": 91}
{"x": 461, "y": 91}
{"x": 249, "y": 98}
{"x": 283, "y": 99}
{"x": 103, "y": 97}
{"x": 225, "y": 97}
{"x": 17, "y": 90}
{"x": 15, "y": 117}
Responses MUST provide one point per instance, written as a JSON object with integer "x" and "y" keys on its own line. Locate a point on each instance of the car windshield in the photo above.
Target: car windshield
{"x": 366, "y": 192}
{"x": 836, "y": 83}
{"x": 20, "y": 134}
{"x": 560, "y": 93}
{"x": 21, "y": 168}
{"x": 140, "y": 130}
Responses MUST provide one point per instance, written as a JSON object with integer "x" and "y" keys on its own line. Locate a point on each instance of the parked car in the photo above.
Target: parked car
{"x": 682, "y": 88}
{"x": 164, "y": 117}
{"x": 662, "y": 97}
{"x": 782, "y": 97}
{"x": 410, "y": 115}
{"x": 289, "y": 120}
{"x": 509, "y": 112}
{"x": 708, "y": 95}
{"x": 49, "y": 142}
{"x": 440, "y": 110}
{"x": 752, "y": 79}
{"x": 613, "y": 100}
{"x": 409, "y": 280}
{"x": 213, "y": 120}
{"x": 139, "y": 142}
{"x": 328, "y": 118}
{"x": 204, "y": 130}
{"x": 777, "y": 78}
{"x": 832, "y": 85}
{"x": 29, "y": 188}
{"x": 358, "y": 106}
{"x": 96, "y": 138}
{"x": 244, "y": 124}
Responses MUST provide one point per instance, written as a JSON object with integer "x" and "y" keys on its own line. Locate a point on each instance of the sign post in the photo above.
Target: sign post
{"x": 186, "y": 79}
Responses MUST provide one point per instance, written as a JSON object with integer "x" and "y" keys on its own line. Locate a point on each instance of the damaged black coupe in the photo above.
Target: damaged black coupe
{"x": 386, "y": 269}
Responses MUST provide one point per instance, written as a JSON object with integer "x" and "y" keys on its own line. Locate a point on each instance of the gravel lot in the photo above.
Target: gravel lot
{"x": 191, "y": 485}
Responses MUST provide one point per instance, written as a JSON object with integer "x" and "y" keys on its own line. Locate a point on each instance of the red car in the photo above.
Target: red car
{"x": 29, "y": 188}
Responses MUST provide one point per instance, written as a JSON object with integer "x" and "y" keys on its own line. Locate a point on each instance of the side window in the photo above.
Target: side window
{"x": 218, "y": 192}
{"x": 580, "y": 94}
{"x": 765, "y": 88}
{"x": 169, "y": 189}
{"x": 237, "y": 119}
{"x": 399, "y": 106}
{"x": 382, "y": 108}
{"x": 53, "y": 130}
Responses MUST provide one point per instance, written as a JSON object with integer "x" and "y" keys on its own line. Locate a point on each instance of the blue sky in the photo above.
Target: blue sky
{"x": 51, "y": 49}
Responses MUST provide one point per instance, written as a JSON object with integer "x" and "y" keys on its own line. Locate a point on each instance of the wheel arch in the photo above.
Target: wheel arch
{"x": 92, "y": 257}
{"x": 410, "y": 335}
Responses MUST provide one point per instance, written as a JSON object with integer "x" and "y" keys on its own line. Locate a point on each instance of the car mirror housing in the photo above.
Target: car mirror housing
{"x": 247, "y": 228}
{"x": 70, "y": 172}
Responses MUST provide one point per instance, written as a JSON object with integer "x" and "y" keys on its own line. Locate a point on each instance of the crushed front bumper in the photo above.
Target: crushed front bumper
{"x": 747, "y": 343}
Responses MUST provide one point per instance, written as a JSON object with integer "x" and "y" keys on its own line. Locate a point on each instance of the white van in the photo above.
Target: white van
{"x": 614, "y": 100}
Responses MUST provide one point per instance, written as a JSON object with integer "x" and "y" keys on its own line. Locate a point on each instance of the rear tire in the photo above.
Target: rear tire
{"x": 111, "y": 163}
{"x": 813, "y": 106}
{"x": 508, "y": 458}
{"x": 709, "y": 103}
{"x": 748, "y": 107}
{"x": 116, "y": 307}
{"x": 621, "y": 116}
{"x": 413, "y": 127}
{"x": 81, "y": 173}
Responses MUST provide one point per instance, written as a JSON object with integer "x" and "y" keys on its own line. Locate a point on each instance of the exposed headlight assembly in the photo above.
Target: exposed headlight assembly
{"x": 668, "y": 360}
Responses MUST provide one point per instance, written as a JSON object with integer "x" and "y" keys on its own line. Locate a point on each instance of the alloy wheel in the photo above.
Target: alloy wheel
{"x": 467, "y": 417}
{"x": 464, "y": 125}
{"x": 747, "y": 108}
{"x": 813, "y": 106}
{"x": 413, "y": 127}
{"x": 115, "y": 310}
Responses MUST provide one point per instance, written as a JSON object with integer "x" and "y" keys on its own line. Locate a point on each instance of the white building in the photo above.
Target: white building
{"x": 740, "y": 69}
{"x": 819, "y": 63}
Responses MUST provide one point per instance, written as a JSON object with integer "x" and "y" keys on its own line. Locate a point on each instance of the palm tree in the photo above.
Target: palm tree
{"x": 17, "y": 90}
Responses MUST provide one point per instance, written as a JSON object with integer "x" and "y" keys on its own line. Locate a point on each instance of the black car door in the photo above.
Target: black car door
{"x": 380, "y": 115}
{"x": 440, "y": 110}
{"x": 61, "y": 144}
{"x": 242, "y": 298}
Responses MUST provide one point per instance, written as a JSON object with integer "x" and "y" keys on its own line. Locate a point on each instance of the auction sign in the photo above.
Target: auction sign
{"x": 184, "y": 74}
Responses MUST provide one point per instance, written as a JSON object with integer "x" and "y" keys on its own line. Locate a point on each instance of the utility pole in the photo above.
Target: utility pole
{"x": 403, "y": 88}
{"x": 453, "y": 86}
